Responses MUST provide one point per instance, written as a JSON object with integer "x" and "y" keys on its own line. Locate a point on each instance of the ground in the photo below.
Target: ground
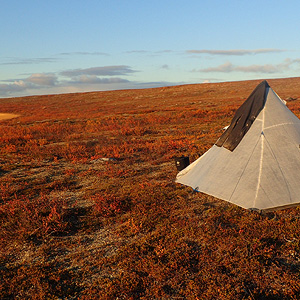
{"x": 89, "y": 208}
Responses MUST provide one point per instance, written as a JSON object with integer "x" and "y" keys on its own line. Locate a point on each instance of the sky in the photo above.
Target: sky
{"x": 66, "y": 46}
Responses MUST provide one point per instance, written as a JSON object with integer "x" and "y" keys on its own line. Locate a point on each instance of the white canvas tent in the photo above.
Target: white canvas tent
{"x": 256, "y": 162}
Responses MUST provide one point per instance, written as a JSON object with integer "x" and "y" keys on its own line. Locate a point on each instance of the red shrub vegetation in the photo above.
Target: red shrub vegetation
{"x": 89, "y": 209}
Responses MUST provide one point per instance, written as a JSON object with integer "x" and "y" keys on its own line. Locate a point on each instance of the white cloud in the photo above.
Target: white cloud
{"x": 137, "y": 52}
{"x": 226, "y": 67}
{"x": 84, "y": 53}
{"x": 99, "y": 71}
{"x": 92, "y": 79}
{"x": 28, "y": 61}
{"x": 266, "y": 68}
{"x": 42, "y": 79}
{"x": 20, "y": 83}
{"x": 258, "y": 69}
{"x": 15, "y": 87}
{"x": 149, "y": 52}
{"x": 235, "y": 52}
{"x": 33, "y": 82}
{"x": 77, "y": 80}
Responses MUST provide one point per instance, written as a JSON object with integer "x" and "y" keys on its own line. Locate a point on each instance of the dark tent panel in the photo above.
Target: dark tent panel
{"x": 244, "y": 117}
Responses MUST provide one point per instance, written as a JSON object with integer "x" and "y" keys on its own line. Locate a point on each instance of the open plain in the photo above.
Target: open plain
{"x": 89, "y": 208}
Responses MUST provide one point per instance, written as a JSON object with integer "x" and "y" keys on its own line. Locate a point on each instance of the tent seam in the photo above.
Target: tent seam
{"x": 262, "y": 136}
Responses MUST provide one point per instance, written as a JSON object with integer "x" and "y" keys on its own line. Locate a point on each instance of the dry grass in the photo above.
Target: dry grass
{"x": 89, "y": 208}
{"x": 8, "y": 116}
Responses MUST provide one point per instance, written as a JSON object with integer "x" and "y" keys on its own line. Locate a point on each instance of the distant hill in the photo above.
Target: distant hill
{"x": 73, "y": 105}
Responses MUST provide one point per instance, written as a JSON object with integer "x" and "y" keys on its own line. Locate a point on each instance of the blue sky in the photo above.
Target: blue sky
{"x": 64, "y": 46}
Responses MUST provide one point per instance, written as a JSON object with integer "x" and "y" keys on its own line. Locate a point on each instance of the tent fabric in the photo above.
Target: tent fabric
{"x": 263, "y": 170}
{"x": 243, "y": 118}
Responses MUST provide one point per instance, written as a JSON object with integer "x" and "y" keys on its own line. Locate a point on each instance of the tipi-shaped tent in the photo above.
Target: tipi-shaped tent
{"x": 255, "y": 164}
